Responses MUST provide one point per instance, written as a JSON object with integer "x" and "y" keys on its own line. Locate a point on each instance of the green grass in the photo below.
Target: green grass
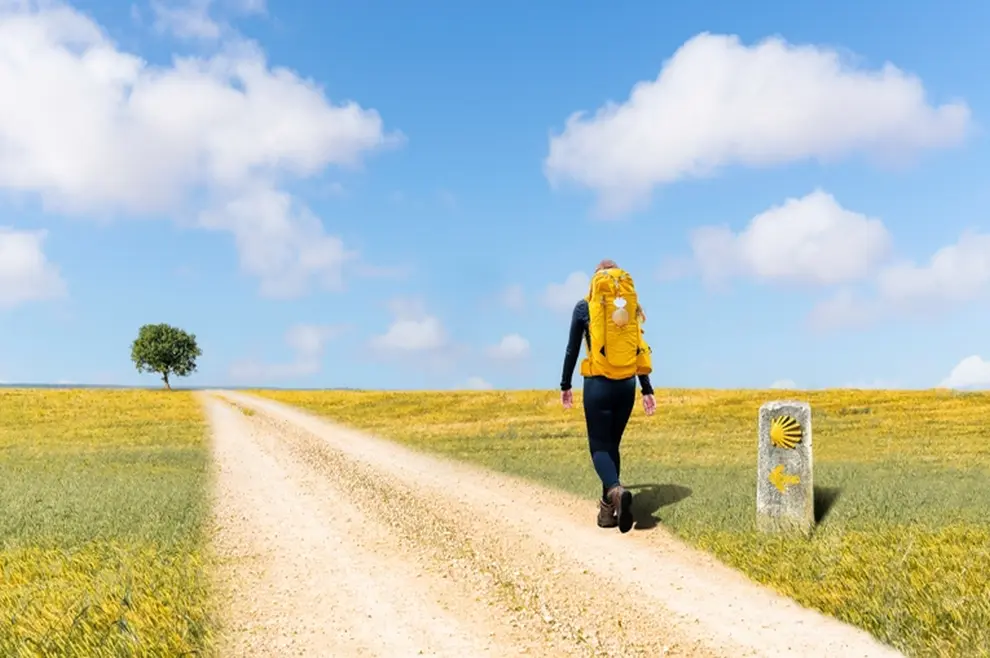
{"x": 903, "y": 553}
{"x": 102, "y": 532}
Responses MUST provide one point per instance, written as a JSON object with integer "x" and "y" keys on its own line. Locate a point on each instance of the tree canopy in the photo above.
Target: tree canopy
{"x": 166, "y": 350}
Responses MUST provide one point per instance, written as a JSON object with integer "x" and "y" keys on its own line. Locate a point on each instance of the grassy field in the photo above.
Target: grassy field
{"x": 903, "y": 551}
{"x": 102, "y": 509}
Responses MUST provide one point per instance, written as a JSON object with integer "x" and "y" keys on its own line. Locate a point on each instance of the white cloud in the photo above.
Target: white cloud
{"x": 191, "y": 19}
{"x": 718, "y": 102}
{"x": 187, "y": 21}
{"x": 784, "y": 384}
{"x": 514, "y": 298}
{"x": 280, "y": 241}
{"x": 412, "y": 331}
{"x": 412, "y": 335}
{"x": 808, "y": 240}
{"x": 971, "y": 372}
{"x": 477, "y": 384}
{"x": 307, "y": 343}
{"x": 954, "y": 274}
{"x": 93, "y": 130}
{"x": 511, "y": 348}
{"x": 25, "y": 272}
{"x": 563, "y": 296}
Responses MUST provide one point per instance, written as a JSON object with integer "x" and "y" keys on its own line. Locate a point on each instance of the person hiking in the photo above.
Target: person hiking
{"x": 609, "y": 320}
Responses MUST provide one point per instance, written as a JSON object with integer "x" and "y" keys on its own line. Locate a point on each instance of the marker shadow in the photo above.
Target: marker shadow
{"x": 825, "y": 498}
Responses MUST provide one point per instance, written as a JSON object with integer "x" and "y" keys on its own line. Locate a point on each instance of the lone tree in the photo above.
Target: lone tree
{"x": 166, "y": 350}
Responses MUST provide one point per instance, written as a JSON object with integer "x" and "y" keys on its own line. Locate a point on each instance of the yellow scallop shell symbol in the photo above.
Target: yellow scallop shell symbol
{"x": 785, "y": 432}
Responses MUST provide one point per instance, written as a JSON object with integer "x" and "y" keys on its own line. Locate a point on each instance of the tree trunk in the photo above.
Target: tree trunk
{"x": 165, "y": 379}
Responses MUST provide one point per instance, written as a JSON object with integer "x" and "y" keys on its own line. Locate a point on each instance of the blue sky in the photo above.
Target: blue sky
{"x": 791, "y": 210}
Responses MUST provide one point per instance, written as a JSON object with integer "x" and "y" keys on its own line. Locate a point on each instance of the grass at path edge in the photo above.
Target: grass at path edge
{"x": 102, "y": 539}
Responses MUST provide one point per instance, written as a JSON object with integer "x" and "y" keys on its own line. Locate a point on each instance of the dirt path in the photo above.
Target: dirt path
{"x": 335, "y": 543}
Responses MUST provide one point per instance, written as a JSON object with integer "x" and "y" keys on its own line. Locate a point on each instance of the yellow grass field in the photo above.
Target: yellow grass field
{"x": 903, "y": 546}
{"x": 101, "y": 536}
{"x": 105, "y": 500}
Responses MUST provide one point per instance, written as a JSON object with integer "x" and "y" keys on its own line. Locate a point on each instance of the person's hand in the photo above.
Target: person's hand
{"x": 649, "y": 404}
{"x": 567, "y": 398}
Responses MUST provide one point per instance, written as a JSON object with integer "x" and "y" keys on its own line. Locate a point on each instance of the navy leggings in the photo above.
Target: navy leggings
{"x": 608, "y": 404}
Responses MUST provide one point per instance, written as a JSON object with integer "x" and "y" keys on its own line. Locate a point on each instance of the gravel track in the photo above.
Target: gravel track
{"x": 335, "y": 543}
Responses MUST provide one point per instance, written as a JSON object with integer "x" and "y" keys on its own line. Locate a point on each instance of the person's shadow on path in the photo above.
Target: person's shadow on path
{"x": 649, "y": 498}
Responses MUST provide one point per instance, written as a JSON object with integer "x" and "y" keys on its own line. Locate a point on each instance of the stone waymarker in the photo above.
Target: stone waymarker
{"x": 785, "y": 499}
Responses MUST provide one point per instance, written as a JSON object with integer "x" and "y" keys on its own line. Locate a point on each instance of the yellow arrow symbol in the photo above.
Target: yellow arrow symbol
{"x": 781, "y": 480}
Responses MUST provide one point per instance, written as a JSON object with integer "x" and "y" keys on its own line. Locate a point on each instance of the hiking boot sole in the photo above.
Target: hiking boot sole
{"x": 625, "y": 512}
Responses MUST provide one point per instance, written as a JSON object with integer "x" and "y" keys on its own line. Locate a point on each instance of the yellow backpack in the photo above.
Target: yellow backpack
{"x": 617, "y": 348}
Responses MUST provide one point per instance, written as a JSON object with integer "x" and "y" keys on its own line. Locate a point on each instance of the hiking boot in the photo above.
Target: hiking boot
{"x": 621, "y": 501}
{"x": 606, "y": 515}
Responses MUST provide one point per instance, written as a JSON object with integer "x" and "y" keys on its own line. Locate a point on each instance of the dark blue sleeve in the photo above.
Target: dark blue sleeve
{"x": 579, "y": 330}
{"x": 645, "y": 385}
